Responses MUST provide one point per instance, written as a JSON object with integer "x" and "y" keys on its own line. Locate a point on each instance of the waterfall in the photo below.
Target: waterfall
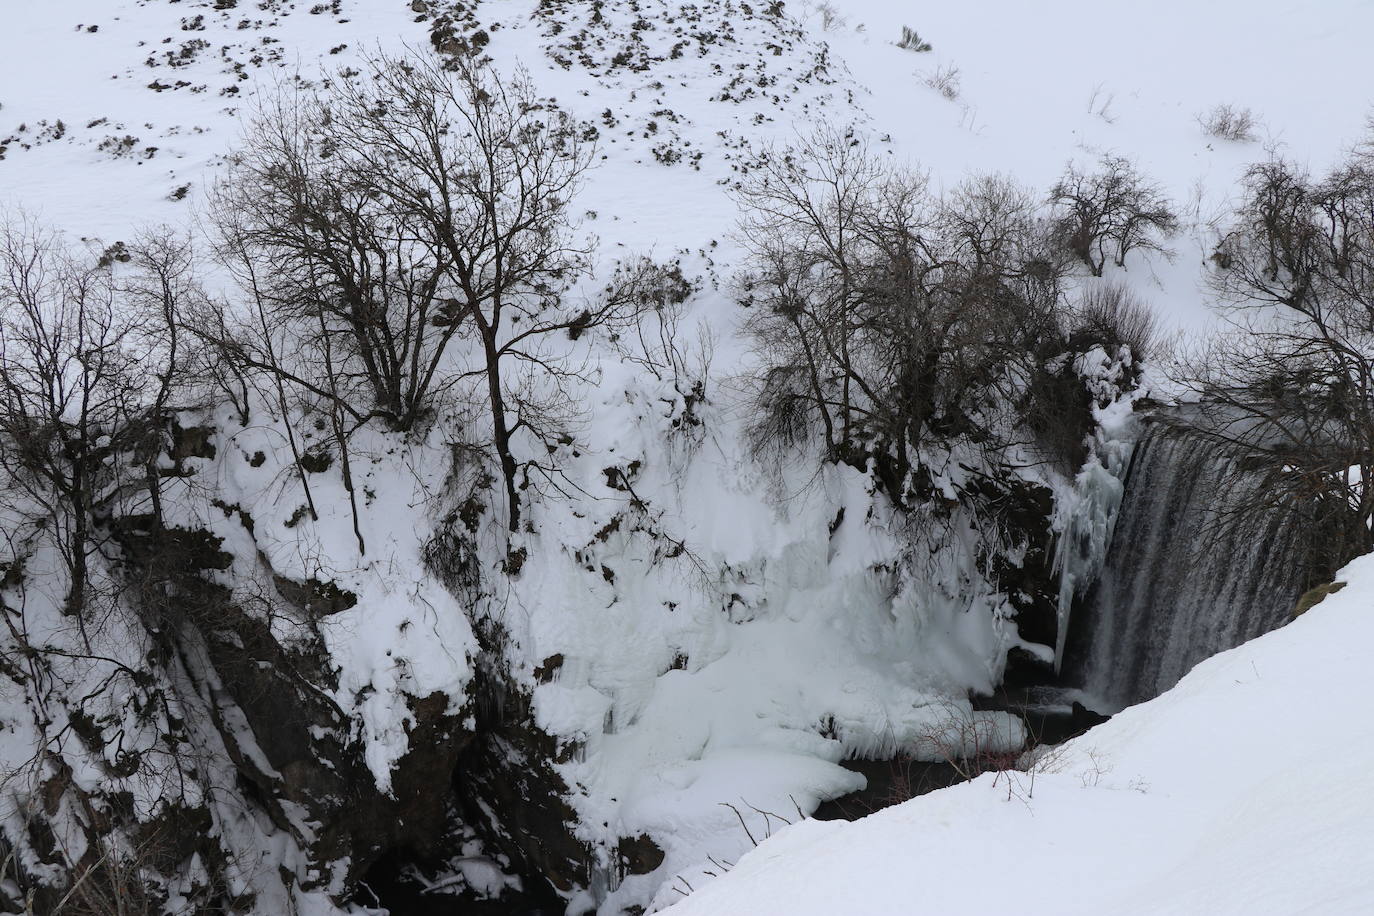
{"x": 1184, "y": 577}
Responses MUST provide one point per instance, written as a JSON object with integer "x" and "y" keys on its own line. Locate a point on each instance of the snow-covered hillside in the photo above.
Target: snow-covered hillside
{"x": 1245, "y": 789}
{"x": 683, "y": 635}
{"x": 1036, "y": 86}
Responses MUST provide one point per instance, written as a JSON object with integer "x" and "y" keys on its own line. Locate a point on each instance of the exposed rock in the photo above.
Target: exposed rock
{"x": 1314, "y": 596}
{"x": 315, "y": 597}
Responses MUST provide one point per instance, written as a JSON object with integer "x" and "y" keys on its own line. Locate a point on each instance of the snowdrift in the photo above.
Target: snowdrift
{"x": 1245, "y": 789}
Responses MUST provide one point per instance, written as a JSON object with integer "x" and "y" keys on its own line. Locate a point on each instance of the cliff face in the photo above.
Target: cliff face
{"x": 204, "y": 732}
{"x": 253, "y": 712}
{"x": 187, "y": 723}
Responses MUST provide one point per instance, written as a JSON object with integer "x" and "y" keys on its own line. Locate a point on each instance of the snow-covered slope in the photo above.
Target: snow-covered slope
{"x": 1246, "y": 789}
{"x": 1036, "y": 85}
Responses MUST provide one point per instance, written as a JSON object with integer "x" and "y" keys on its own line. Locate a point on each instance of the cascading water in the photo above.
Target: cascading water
{"x": 1183, "y": 579}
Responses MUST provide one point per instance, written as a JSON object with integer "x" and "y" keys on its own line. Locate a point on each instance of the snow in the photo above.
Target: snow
{"x": 744, "y": 674}
{"x": 1086, "y": 516}
{"x": 90, "y": 64}
{"x": 745, "y": 670}
{"x": 1245, "y": 789}
{"x": 1038, "y": 85}
{"x": 406, "y": 636}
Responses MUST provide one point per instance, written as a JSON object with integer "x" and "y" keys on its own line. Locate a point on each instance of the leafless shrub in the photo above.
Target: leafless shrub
{"x": 1227, "y": 122}
{"x": 1098, "y": 768}
{"x": 657, "y": 342}
{"x": 1100, "y": 103}
{"x": 944, "y": 80}
{"x": 971, "y": 743}
{"x": 1111, "y": 315}
{"x": 108, "y": 881}
{"x": 831, "y": 17}
{"x": 912, "y": 41}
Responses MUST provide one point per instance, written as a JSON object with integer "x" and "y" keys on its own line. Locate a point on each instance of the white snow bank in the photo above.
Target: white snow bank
{"x": 1245, "y": 789}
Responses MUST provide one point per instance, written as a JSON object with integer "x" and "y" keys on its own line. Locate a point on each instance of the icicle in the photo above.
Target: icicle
{"x": 1085, "y": 535}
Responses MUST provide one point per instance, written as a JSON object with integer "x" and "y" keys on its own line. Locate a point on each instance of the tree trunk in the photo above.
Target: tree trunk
{"x": 76, "y": 595}
{"x": 500, "y": 429}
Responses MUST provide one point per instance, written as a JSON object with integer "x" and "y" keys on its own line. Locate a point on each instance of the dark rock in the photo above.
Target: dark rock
{"x": 1081, "y": 718}
{"x": 1024, "y": 511}
{"x": 551, "y": 666}
{"x": 317, "y": 598}
{"x": 1026, "y": 669}
{"x": 510, "y": 793}
{"x": 316, "y": 462}
{"x": 638, "y": 855}
{"x": 192, "y": 442}
{"x": 1314, "y": 596}
{"x": 890, "y": 782}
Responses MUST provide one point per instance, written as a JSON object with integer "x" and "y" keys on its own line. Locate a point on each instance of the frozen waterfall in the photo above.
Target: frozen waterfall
{"x": 1085, "y": 535}
{"x": 1184, "y": 578}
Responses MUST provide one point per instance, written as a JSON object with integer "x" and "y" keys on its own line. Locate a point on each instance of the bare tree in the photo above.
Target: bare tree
{"x": 91, "y": 372}
{"x": 160, "y": 288}
{"x": 414, "y": 221}
{"x": 69, "y": 385}
{"x": 889, "y": 317}
{"x": 1111, "y": 212}
{"x": 1290, "y": 391}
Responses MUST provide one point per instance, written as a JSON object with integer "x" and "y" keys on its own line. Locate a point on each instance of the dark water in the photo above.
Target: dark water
{"x": 391, "y": 884}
